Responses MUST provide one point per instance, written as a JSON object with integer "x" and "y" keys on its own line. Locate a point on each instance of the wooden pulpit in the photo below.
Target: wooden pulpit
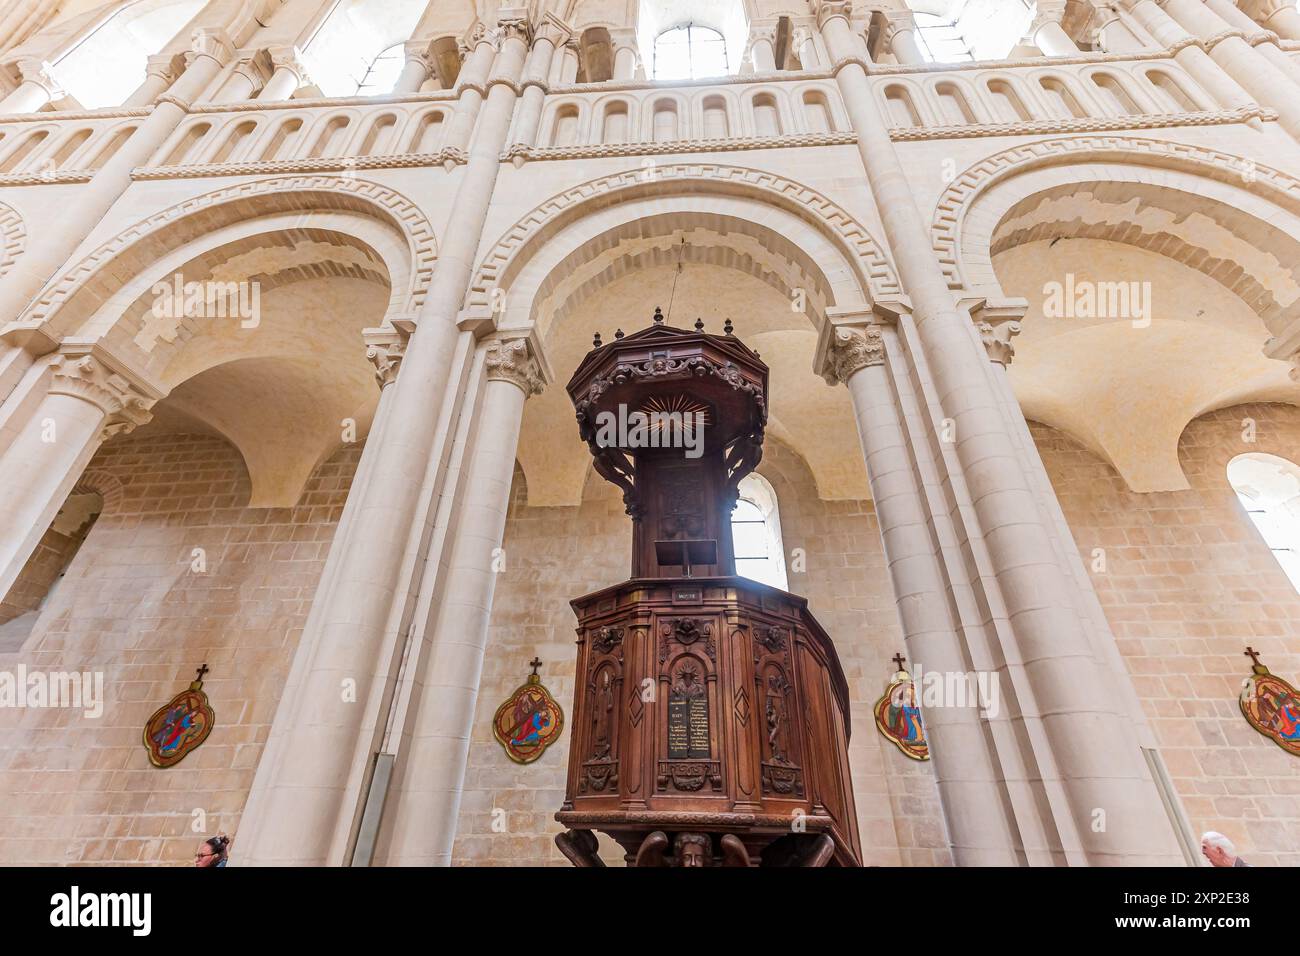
{"x": 711, "y": 715}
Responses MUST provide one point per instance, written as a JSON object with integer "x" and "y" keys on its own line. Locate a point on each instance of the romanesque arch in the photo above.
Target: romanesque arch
{"x": 1228, "y": 223}
{"x": 78, "y": 293}
{"x": 860, "y": 272}
{"x": 798, "y": 245}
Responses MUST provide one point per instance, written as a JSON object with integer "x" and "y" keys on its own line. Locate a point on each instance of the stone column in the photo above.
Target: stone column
{"x": 1276, "y": 15}
{"x": 1260, "y": 78}
{"x": 288, "y": 77}
{"x": 1116, "y": 37}
{"x": 1226, "y": 91}
{"x": 625, "y": 54}
{"x": 418, "y": 67}
{"x": 38, "y": 87}
{"x": 1051, "y": 38}
{"x": 529, "y": 114}
{"x": 903, "y": 43}
{"x": 1084, "y": 753}
{"x": 305, "y": 798}
{"x": 981, "y": 824}
{"x": 471, "y": 87}
{"x": 565, "y": 69}
{"x": 51, "y": 248}
{"x": 248, "y": 76}
{"x": 87, "y": 402}
{"x": 160, "y": 74}
{"x": 763, "y": 50}
{"x": 423, "y": 821}
{"x": 1263, "y": 41}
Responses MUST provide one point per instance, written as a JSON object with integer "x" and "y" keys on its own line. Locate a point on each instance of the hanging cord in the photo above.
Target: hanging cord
{"x": 673, "y": 294}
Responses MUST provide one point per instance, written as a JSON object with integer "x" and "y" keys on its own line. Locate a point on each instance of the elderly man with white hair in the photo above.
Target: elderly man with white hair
{"x": 1219, "y": 850}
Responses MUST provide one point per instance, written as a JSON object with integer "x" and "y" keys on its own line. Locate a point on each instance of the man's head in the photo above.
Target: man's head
{"x": 1218, "y": 849}
{"x": 693, "y": 849}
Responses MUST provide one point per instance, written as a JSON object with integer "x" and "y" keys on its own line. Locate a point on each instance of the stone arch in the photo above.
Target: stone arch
{"x": 75, "y": 295}
{"x": 1215, "y": 233}
{"x": 860, "y": 271}
{"x": 777, "y": 233}
{"x": 105, "y": 484}
{"x": 13, "y": 237}
{"x": 1003, "y": 186}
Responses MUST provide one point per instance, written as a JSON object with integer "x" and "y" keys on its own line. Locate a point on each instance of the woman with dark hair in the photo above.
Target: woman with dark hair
{"x": 213, "y": 852}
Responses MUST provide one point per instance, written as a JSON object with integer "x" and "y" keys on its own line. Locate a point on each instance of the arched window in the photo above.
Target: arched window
{"x": 107, "y": 66}
{"x": 1268, "y": 488}
{"x": 973, "y": 31}
{"x": 690, "y": 52}
{"x": 756, "y": 533}
{"x": 383, "y": 73}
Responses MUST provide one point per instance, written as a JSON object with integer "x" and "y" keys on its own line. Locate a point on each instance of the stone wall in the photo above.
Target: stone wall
{"x": 1188, "y": 583}
{"x": 75, "y": 789}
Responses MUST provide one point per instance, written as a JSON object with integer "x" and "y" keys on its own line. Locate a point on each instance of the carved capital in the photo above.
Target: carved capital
{"x": 556, "y": 31}
{"x": 825, "y": 10}
{"x": 513, "y": 24}
{"x": 210, "y": 43}
{"x": 41, "y": 73}
{"x": 896, "y": 23}
{"x": 289, "y": 58}
{"x": 851, "y": 350}
{"x": 385, "y": 351}
{"x": 166, "y": 66}
{"x": 511, "y": 360}
{"x": 997, "y": 340}
{"x": 256, "y": 68}
{"x": 88, "y": 378}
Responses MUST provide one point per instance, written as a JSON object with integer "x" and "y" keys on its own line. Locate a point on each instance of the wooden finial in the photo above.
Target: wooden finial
{"x": 699, "y": 325}
{"x": 659, "y": 316}
{"x": 727, "y": 327}
{"x": 618, "y": 333}
{"x": 595, "y": 342}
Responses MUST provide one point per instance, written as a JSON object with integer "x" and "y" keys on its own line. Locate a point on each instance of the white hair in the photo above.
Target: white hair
{"x": 1214, "y": 838}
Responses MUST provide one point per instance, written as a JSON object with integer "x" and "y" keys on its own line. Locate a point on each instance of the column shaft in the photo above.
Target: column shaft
{"x": 310, "y": 796}
{"x": 473, "y": 76}
{"x": 1269, "y": 49}
{"x": 1226, "y": 91}
{"x": 1080, "y": 752}
{"x": 423, "y": 821}
{"x": 1260, "y": 78}
{"x": 981, "y": 825}
{"x": 1052, "y": 39}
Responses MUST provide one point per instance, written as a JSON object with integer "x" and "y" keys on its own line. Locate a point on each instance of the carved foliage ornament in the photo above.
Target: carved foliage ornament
{"x": 509, "y": 360}
{"x": 854, "y": 349}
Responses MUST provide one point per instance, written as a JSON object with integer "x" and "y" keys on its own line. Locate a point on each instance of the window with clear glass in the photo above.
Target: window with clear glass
{"x": 940, "y": 40}
{"x": 384, "y": 72}
{"x": 690, "y": 52}
{"x": 1268, "y": 488}
{"x": 756, "y": 534}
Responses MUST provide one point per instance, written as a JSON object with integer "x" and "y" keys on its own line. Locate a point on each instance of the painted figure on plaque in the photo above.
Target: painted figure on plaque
{"x": 898, "y": 715}
{"x": 1271, "y": 705}
{"x": 529, "y": 720}
{"x": 180, "y": 725}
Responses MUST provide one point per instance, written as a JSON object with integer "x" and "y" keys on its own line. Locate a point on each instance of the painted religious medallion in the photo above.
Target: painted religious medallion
{"x": 898, "y": 715}
{"x": 180, "y": 725}
{"x": 529, "y": 720}
{"x": 1271, "y": 706}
